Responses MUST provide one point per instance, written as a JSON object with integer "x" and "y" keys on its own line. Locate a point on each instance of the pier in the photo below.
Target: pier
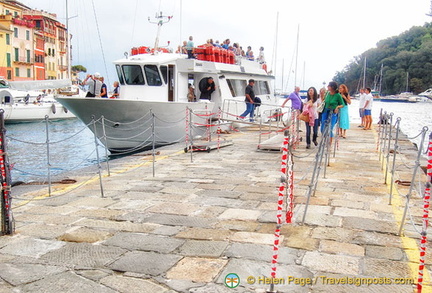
{"x": 205, "y": 222}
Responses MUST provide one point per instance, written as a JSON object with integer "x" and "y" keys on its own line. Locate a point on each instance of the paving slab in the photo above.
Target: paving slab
{"x": 201, "y": 270}
{"x": 18, "y": 274}
{"x": 132, "y": 285}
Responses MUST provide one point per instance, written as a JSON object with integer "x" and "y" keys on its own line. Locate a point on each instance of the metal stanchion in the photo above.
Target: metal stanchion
{"x": 416, "y": 167}
{"x": 153, "y": 141}
{"x": 48, "y": 154}
{"x": 97, "y": 156}
{"x": 396, "y": 146}
{"x": 106, "y": 148}
{"x": 388, "y": 148}
{"x": 384, "y": 140}
{"x": 7, "y": 223}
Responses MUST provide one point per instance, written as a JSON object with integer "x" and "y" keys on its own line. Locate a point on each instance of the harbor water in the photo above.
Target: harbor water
{"x": 72, "y": 144}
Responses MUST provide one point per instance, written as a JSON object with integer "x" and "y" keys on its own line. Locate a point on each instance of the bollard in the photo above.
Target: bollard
{"x": 97, "y": 156}
{"x": 425, "y": 220}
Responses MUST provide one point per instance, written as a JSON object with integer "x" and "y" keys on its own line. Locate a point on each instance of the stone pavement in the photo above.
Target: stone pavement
{"x": 193, "y": 223}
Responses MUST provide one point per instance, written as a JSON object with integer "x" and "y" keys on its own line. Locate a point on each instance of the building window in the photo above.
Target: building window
{"x": 7, "y": 39}
{"x": 15, "y": 14}
{"x": 28, "y": 72}
{"x": 27, "y": 35}
{"x": 9, "y": 74}
{"x": 8, "y": 60}
{"x": 53, "y": 52}
{"x": 16, "y": 54}
{"x": 7, "y": 12}
{"x": 49, "y": 51}
{"x": 28, "y": 55}
{"x": 17, "y": 72}
{"x": 15, "y": 32}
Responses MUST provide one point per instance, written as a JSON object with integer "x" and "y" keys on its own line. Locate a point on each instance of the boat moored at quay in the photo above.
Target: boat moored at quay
{"x": 152, "y": 105}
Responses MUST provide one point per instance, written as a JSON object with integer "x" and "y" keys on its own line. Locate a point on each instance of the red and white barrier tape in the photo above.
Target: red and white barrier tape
{"x": 426, "y": 203}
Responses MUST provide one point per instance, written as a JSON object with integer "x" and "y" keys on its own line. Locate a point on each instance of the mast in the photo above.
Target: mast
{"x": 364, "y": 74}
{"x": 68, "y": 54}
{"x": 297, "y": 46}
{"x": 160, "y": 21}
{"x": 380, "y": 79}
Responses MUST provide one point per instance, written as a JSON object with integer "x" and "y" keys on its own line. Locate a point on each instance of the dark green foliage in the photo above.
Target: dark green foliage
{"x": 405, "y": 58}
{"x": 79, "y": 68}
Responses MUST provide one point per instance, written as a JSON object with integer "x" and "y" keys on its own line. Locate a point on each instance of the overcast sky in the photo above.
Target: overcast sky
{"x": 331, "y": 32}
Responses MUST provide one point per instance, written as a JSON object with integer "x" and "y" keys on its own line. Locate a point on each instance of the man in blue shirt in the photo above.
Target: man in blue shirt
{"x": 296, "y": 102}
{"x": 190, "y": 48}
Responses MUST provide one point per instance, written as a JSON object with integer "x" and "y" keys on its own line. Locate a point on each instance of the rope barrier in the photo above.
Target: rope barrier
{"x": 426, "y": 201}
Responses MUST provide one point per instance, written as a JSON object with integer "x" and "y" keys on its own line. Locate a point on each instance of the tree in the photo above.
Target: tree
{"x": 78, "y": 68}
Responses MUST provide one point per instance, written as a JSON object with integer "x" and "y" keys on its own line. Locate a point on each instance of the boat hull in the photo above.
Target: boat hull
{"x": 20, "y": 112}
{"x": 131, "y": 125}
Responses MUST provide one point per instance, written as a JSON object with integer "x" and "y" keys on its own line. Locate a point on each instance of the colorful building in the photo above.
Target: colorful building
{"x": 34, "y": 41}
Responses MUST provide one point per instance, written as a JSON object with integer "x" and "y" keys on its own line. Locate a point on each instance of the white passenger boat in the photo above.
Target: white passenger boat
{"x": 22, "y": 103}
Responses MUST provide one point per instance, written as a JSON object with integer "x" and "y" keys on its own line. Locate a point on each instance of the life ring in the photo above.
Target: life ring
{"x": 53, "y": 108}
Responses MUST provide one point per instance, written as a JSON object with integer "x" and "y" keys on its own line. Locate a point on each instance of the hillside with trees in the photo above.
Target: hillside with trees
{"x": 406, "y": 64}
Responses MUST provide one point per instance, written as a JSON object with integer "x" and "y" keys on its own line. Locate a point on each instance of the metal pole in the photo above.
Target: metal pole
{"x": 388, "y": 147}
{"x": 7, "y": 223}
{"x": 48, "y": 154}
{"x": 417, "y": 165}
{"x": 190, "y": 134}
{"x": 384, "y": 140}
{"x": 394, "y": 158}
{"x": 153, "y": 141}
{"x": 106, "y": 145}
{"x": 97, "y": 155}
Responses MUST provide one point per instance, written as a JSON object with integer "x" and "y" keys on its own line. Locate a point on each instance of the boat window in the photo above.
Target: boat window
{"x": 237, "y": 86}
{"x": 261, "y": 87}
{"x": 119, "y": 74}
{"x": 164, "y": 71}
{"x": 152, "y": 75}
{"x": 133, "y": 74}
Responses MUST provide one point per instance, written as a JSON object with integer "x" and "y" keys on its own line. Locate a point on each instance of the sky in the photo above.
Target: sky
{"x": 328, "y": 34}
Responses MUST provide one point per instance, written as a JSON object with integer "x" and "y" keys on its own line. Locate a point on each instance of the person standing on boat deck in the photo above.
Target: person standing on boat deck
{"x": 249, "y": 100}
{"x": 104, "y": 89}
{"x": 190, "y": 48}
{"x": 191, "y": 93}
{"x": 296, "y": 102}
{"x": 344, "y": 123}
{"x": 311, "y": 108}
{"x": 206, "y": 87}
{"x": 226, "y": 44}
{"x": 368, "y": 109}
{"x": 333, "y": 102}
{"x": 249, "y": 54}
{"x": 116, "y": 91}
{"x": 94, "y": 85}
{"x": 361, "y": 106}
{"x": 261, "y": 58}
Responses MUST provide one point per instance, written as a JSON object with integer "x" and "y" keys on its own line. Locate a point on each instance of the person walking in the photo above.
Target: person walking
{"x": 368, "y": 109}
{"x": 311, "y": 108}
{"x": 344, "y": 123}
{"x": 249, "y": 100}
{"x": 333, "y": 102}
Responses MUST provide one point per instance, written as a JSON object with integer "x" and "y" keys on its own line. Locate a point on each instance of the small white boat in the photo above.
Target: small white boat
{"x": 427, "y": 93}
{"x": 29, "y": 105}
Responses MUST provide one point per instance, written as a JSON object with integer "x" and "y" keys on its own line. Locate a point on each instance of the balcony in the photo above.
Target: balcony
{"x": 24, "y": 60}
{"x": 62, "y": 67}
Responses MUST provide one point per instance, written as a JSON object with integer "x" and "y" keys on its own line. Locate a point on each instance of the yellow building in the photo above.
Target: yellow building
{"x": 6, "y": 49}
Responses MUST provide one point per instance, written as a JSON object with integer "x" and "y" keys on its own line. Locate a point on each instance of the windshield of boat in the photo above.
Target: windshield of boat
{"x": 133, "y": 74}
{"x": 4, "y": 83}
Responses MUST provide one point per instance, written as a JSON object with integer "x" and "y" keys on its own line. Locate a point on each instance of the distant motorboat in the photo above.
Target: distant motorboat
{"x": 402, "y": 98}
{"x": 427, "y": 93}
{"x": 21, "y": 103}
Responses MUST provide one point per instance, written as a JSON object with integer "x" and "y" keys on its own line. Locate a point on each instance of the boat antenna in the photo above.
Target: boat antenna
{"x": 160, "y": 20}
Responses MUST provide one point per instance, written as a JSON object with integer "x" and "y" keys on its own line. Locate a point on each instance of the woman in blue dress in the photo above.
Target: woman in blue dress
{"x": 344, "y": 123}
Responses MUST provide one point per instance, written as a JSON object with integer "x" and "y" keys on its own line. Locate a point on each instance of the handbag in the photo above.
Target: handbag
{"x": 321, "y": 107}
{"x": 304, "y": 117}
